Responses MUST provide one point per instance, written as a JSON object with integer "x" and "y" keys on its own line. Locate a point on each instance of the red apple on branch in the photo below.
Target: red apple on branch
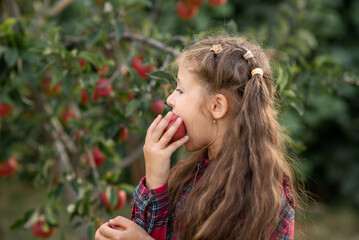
{"x": 8, "y": 167}
{"x": 215, "y": 3}
{"x": 142, "y": 70}
{"x": 82, "y": 62}
{"x": 181, "y": 131}
{"x": 5, "y": 109}
{"x": 98, "y": 157}
{"x": 66, "y": 115}
{"x": 121, "y": 198}
{"x": 193, "y": 3}
{"x": 157, "y": 106}
{"x": 103, "y": 89}
{"x": 84, "y": 97}
{"x": 46, "y": 85}
{"x": 42, "y": 229}
{"x": 123, "y": 133}
{"x": 186, "y": 11}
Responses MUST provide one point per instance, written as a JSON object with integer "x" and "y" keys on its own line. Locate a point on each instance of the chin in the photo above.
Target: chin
{"x": 190, "y": 147}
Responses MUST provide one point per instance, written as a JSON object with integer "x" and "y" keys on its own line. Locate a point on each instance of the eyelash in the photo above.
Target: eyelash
{"x": 179, "y": 90}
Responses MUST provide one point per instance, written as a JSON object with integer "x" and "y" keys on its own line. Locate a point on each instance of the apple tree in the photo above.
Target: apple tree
{"x": 81, "y": 81}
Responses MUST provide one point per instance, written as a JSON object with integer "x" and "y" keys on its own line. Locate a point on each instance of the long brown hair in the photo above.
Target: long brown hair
{"x": 247, "y": 172}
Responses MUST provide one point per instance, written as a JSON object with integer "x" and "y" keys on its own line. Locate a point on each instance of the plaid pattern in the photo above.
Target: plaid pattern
{"x": 150, "y": 208}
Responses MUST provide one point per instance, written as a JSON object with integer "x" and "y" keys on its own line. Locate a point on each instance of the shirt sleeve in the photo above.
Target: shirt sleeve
{"x": 150, "y": 209}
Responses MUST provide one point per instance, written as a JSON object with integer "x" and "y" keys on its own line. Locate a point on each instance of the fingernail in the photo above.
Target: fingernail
{"x": 178, "y": 119}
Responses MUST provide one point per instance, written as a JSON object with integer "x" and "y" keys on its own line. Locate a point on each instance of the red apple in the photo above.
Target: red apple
{"x": 82, "y": 62}
{"x": 193, "y": 3}
{"x": 8, "y": 167}
{"x": 46, "y": 85}
{"x": 123, "y": 133}
{"x": 42, "y": 229}
{"x": 157, "y": 106}
{"x": 215, "y": 3}
{"x": 120, "y": 201}
{"x": 103, "y": 89}
{"x": 98, "y": 157}
{"x": 5, "y": 109}
{"x": 130, "y": 96}
{"x": 102, "y": 71}
{"x": 142, "y": 70}
{"x": 66, "y": 115}
{"x": 84, "y": 97}
{"x": 185, "y": 11}
{"x": 181, "y": 131}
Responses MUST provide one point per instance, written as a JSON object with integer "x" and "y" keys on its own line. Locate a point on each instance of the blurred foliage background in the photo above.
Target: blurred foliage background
{"x": 313, "y": 46}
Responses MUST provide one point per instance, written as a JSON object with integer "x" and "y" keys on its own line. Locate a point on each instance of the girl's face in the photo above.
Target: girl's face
{"x": 188, "y": 102}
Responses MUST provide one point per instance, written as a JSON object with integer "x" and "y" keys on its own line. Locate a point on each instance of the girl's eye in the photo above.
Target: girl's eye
{"x": 179, "y": 90}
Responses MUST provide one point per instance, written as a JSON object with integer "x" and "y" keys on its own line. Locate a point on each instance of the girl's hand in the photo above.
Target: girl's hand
{"x": 157, "y": 152}
{"x": 121, "y": 228}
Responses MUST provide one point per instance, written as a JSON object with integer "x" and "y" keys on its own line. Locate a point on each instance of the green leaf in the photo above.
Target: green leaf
{"x": 6, "y": 28}
{"x": 90, "y": 57}
{"x": 91, "y": 232}
{"x": 131, "y": 107}
{"x": 128, "y": 188}
{"x": 162, "y": 75}
{"x": 49, "y": 216}
{"x": 11, "y": 55}
{"x": 20, "y": 222}
{"x": 112, "y": 195}
{"x": 120, "y": 29}
{"x": 93, "y": 37}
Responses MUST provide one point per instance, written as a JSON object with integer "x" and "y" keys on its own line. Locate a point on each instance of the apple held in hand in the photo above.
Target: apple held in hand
{"x": 181, "y": 131}
{"x": 42, "y": 229}
{"x": 8, "y": 167}
{"x": 118, "y": 197}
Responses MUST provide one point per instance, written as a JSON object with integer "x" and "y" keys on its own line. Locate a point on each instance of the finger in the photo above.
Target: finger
{"x": 161, "y": 126}
{"x": 99, "y": 236}
{"x": 153, "y": 125}
{"x": 167, "y": 136}
{"x": 110, "y": 233}
{"x": 175, "y": 145}
{"x": 121, "y": 222}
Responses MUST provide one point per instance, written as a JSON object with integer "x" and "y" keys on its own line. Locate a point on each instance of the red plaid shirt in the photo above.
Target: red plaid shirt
{"x": 150, "y": 209}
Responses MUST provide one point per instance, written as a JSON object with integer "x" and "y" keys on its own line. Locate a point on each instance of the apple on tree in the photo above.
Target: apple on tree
{"x": 98, "y": 157}
{"x": 84, "y": 97}
{"x": 142, "y": 70}
{"x": 123, "y": 133}
{"x": 103, "y": 89}
{"x": 193, "y": 3}
{"x": 8, "y": 167}
{"x": 42, "y": 229}
{"x": 82, "y": 62}
{"x": 216, "y": 3}
{"x": 5, "y": 109}
{"x": 113, "y": 198}
{"x": 186, "y": 11}
{"x": 157, "y": 106}
{"x": 66, "y": 115}
{"x": 46, "y": 85}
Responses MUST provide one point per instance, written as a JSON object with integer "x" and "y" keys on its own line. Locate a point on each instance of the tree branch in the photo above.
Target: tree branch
{"x": 70, "y": 40}
{"x": 59, "y": 7}
{"x": 12, "y": 8}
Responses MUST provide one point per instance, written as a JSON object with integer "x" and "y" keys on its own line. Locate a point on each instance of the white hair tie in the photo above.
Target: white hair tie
{"x": 248, "y": 55}
{"x": 257, "y": 71}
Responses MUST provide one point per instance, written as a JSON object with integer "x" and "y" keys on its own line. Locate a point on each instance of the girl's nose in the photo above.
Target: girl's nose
{"x": 170, "y": 100}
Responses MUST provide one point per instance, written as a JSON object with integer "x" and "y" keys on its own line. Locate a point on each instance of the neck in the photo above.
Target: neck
{"x": 214, "y": 148}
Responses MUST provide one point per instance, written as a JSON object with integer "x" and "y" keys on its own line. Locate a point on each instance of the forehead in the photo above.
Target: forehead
{"x": 186, "y": 73}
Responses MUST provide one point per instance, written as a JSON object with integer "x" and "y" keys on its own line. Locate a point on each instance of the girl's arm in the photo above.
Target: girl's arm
{"x": 150, "y": 209}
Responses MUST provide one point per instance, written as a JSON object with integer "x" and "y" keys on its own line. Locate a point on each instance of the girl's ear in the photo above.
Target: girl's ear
{"x": 219, "y": 106}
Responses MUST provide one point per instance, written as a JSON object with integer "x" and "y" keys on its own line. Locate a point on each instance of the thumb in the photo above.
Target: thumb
{"x": 119, "y": 222}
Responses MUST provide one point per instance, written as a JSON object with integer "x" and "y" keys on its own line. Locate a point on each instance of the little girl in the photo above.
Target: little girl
{"x": 237, "y": 184}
